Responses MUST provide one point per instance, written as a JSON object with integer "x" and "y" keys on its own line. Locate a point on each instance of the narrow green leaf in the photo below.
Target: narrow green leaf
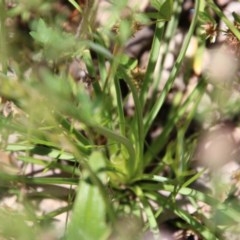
{"x": 76, "y": 5}
{"x": 149, "y": 213}
{"x": 206, "y": 231}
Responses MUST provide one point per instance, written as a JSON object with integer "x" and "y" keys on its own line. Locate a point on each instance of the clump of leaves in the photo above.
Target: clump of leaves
{"x": 82, "y": 130}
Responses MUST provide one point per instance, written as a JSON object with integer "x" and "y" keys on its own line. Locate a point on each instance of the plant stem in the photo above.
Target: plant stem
{"x": 149, "y": 213}
{"x": 165, "y": 43}
{"x": 156, "y": 108}
{"x": 120, "y": 106}
{"x": 139, "y": 138}
{"x": 152, "y": 60}
{"x": 3, "y": 43}
{"x": 160, "y": 141}
{"x": 86, "y": 24}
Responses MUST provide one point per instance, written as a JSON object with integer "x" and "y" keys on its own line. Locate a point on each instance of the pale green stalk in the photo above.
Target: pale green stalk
{"x": 155, "y": 50}
{"x": 3, "y": 41}
{"x": 155, "y": 110}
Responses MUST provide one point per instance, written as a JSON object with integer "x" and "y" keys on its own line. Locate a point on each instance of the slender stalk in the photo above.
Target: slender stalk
{"x": 90, "y": 66}
{"x": 160, "y": 141}
{"x": 120, "y": 106}
{"x": 70, "y": 129}
{"x": 139, "y": 138}
{"x": 149, "y": 213}
{"x": 87, "y": 22}
{"x": 3, "y": 42}
{"x": 47, "y": 165}
{"x": 170, "y": 31}
{"x": 102, "y": 67}
{"x": 153, "y": 113}
{"x": 206, "y": 231}
{"x": 191, "y": 193}
{"x": 117, "y": 51}
{"x": 51, "y": 215}
{"x": 180, "y": 150}
{"x": 157, "y": 39}
{"x": 76, "y": 5}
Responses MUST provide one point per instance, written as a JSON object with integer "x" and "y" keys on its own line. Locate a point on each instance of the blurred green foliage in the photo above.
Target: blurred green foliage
{"x": 111, "y": 174}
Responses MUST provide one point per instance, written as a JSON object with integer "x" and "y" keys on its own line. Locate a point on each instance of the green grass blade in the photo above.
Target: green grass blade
{"x": 40, "y": 148}
{"x": 154, "y": 111}
{"x": 75, "y": 4}
{"x": 47, "y": 180}
{"x": 120, "y": 106}
{"x": 162, "y": 139}
{"x": 139, "y": 136}
{"x": 193, "y": 224}
{"x": 157, "y": 39}
{"x": 49, "y": 164}
{"x": 165, "y": 43}
{"x": 3, "y": 39}
{"x": 54, "y": 213}
{"x": 149, "y": 213}
{"x": 91, "y": 69}
{"x": 170, "y": 187}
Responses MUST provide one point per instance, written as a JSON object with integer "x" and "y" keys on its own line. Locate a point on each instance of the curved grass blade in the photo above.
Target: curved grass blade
{"x": 153, "y": 113}
{"x": 149, "y": 213}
